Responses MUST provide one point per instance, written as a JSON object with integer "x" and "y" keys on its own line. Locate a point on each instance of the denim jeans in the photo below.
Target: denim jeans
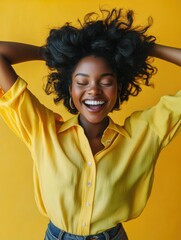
{"x": 116, "y": 233}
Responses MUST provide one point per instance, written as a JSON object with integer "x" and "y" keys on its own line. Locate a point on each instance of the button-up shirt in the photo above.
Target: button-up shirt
{"x": 84, "y": 193}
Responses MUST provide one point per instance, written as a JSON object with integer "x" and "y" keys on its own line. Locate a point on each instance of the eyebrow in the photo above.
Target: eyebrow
{"x": 102, "y": 75}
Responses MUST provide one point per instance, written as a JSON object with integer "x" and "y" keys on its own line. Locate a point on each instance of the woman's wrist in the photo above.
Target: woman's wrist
{"x": 41, "y": 53}
{"x": 154, "y": 50}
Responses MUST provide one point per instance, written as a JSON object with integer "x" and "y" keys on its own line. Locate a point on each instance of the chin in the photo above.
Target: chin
{"x": 95, "y": 120}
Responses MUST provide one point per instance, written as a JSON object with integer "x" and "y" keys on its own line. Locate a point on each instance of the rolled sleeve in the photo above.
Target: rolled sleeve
{"x": 23, "y": 113}
{"x": 164, "y": 118}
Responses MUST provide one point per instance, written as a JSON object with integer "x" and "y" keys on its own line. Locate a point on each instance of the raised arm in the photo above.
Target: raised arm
{"x": 166, "y": 53}
{"x": 12, "y": 53}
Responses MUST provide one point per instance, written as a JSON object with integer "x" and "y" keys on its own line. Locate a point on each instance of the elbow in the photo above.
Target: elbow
{"x": 4, "y": 59}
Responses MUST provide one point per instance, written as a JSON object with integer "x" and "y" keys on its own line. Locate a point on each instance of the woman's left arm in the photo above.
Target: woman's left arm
{"x": 170, "y": 54}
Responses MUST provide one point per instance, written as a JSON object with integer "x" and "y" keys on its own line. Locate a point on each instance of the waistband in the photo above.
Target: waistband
{"x": 115, "y": 233}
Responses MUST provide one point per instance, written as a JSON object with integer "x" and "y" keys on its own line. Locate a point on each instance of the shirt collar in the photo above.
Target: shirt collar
{"x": 73, "y": 122}
{"x": 117, "y": 128}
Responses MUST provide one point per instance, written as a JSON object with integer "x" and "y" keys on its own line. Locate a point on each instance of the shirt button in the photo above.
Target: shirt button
{"x": 88, "y": 204}
{"x": 83, "y": 224}
{"x": 89, "y": 164}
{"x": 89, "y": 184}
{"x": 109, "y": 140}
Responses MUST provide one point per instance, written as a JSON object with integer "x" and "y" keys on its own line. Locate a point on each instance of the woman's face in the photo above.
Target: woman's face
{"x": 94, "y": 89}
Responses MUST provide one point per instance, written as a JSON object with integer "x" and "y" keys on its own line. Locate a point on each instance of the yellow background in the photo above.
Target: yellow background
{"x": 29, "y": 22}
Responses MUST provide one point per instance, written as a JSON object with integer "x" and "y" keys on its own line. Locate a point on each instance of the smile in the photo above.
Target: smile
{"x": 94, "y": 103}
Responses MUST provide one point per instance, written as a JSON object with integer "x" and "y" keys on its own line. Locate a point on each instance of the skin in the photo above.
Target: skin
{"x": 13, "y": 53}
{"x": 94, "y": 80}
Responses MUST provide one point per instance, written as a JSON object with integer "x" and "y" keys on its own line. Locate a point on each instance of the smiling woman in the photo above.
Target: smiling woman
{"x": 90, "y": 173}
{"x": 112, "y": 37}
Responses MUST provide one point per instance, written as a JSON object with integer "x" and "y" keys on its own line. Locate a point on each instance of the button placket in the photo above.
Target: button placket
{"x": 87, "y": 198}
{"x": 89, "y": 195}
{"x": 89, "y": 176}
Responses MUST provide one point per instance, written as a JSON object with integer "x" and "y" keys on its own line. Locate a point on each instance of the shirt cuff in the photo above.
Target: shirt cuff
{"x": 18, "y": 87}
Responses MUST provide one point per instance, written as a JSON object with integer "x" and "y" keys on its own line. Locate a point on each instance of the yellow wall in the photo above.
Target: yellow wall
{"x": 30, "y": 21}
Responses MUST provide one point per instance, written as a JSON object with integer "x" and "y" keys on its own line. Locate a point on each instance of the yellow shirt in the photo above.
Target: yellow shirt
{"x": 81, "y": 193}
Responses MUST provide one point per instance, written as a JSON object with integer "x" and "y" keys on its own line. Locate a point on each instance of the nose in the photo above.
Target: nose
{"x": 94, "y": 89}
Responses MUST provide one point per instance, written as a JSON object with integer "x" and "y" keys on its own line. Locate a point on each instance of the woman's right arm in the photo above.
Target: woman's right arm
{"x": 12, "y": 53}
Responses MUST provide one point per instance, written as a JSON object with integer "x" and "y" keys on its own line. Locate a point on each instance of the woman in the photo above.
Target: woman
{"x": 90, "y": 174}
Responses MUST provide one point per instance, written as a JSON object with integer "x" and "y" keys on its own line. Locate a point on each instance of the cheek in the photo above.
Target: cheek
{"x": 76, "y": 95}
{"x": 112, "y": 93}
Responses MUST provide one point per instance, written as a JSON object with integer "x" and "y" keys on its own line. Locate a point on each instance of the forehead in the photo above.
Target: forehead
{"x": 93, "y": 64}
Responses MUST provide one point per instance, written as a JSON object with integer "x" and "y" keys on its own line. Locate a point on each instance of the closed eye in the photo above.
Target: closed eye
{"x": 107, "y": 79}
{"x": 106, "y": 83}
{"x": 81, "y": 83}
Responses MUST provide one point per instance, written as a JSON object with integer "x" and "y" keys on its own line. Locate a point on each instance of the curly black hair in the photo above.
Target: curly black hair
{"x": 111, "y": 36}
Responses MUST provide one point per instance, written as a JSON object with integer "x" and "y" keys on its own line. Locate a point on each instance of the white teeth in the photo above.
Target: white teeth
{"x": 94, "y": 102}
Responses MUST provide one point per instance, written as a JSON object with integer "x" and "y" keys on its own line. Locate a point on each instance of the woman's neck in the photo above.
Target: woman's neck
{"x": 94, "y": 130}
